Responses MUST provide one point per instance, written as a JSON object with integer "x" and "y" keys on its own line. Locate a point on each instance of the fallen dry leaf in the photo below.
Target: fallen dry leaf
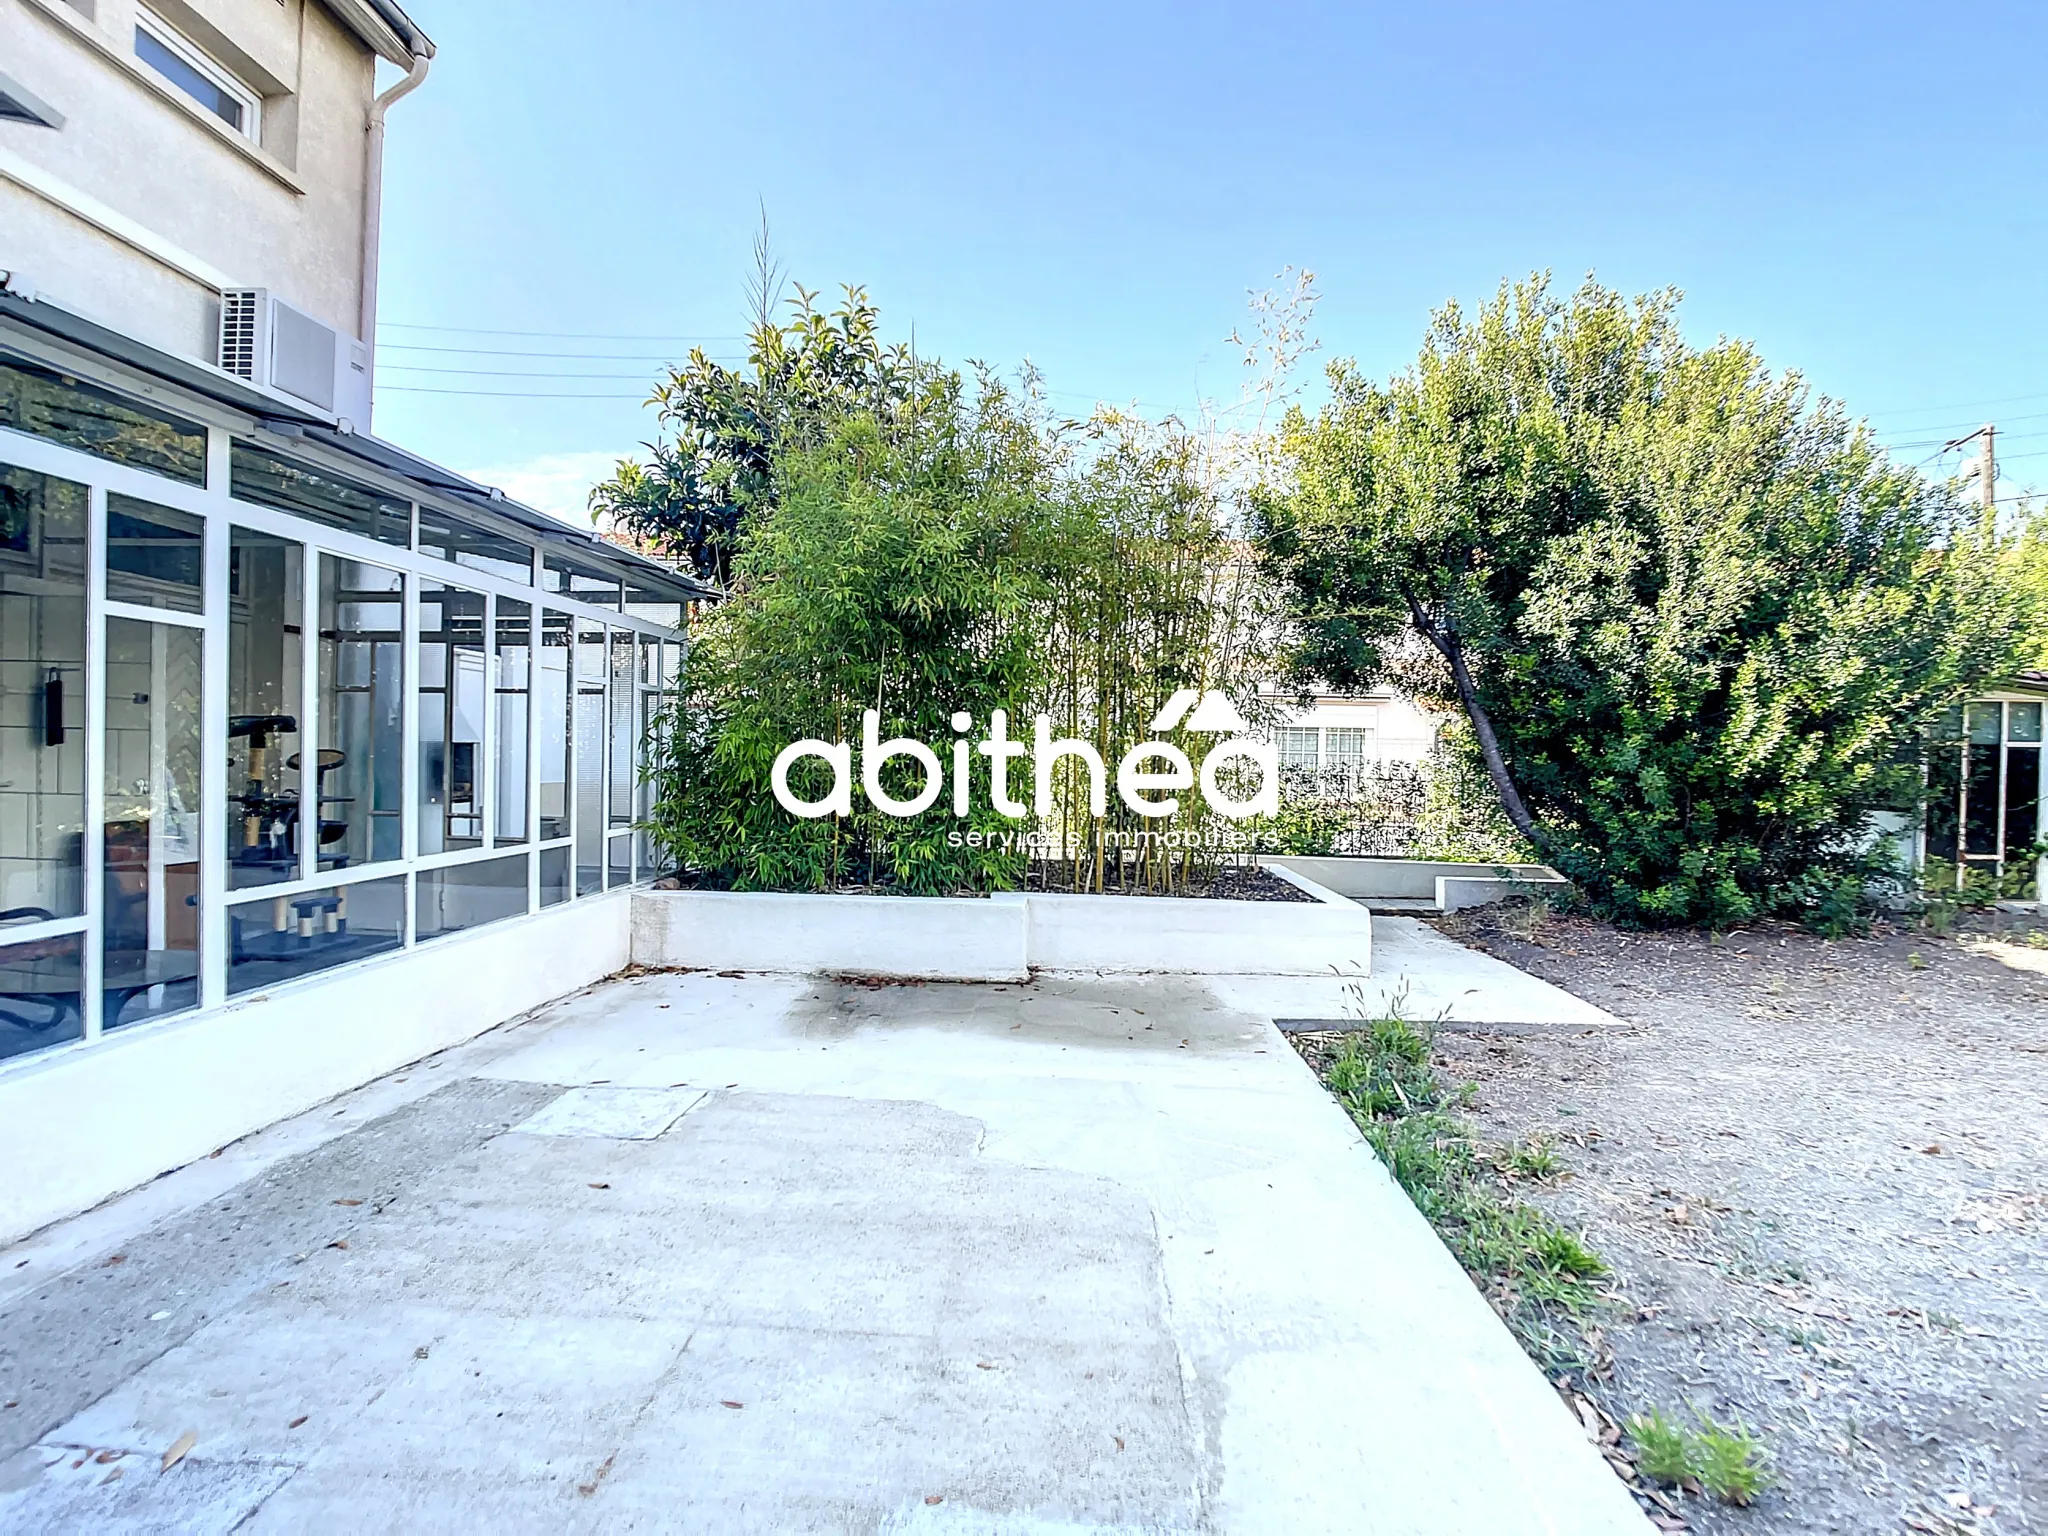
{"x": 339, "y": 1242}
{"x": 106, "y": 1456}
{"x": 179, "y": 1447}
{"x": 603, "y": 1471}
{"x": 113, "y": 1259}
{"x": 600, "y": 1185}
{"x": 935, "y": 1498}
{"x": 1119, "y": 1439}
{"x": 726, "y": 1402}
{"x": 295, "y": 1423}
{"x": 348, "y": 1202}
{"x": 112, "y": 1475}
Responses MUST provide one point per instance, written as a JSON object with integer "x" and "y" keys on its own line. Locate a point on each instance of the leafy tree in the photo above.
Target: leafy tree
{"x": 1694, "y": 616}
{"x": 894, "y": 566}
{"x": 713, "y": 464}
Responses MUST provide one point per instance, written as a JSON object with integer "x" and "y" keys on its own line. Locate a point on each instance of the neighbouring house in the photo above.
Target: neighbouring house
{"x": 1984, "y": 829}
{"x": 315, "y": 757}
{"x": 1340, "y": 731}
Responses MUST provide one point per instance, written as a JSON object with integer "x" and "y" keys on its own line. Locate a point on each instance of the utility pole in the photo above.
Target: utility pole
{"x": 1985, "y": 470}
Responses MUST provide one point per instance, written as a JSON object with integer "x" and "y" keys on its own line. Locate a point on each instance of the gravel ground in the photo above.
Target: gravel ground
{"x": 1820, "y": 1169}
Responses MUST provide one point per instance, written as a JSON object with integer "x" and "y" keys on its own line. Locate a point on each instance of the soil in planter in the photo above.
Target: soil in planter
{"x": 1230, "y": 882}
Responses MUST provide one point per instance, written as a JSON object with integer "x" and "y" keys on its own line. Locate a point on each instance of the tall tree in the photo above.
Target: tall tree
{"x": 1694, "y": 615}
{"x": 711, "y": 466}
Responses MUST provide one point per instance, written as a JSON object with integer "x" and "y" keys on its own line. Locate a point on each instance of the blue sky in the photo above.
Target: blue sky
{"x": 1858, "y": 188}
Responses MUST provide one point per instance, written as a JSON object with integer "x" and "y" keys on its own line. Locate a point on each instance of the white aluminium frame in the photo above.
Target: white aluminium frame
{"x": 221, "y": 514}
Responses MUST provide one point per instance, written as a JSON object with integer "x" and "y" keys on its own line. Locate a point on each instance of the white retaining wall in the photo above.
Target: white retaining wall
{"x": 999, "y": 938}
{"x": 1450, "y": 885}
{"x": 80, "y": 1124}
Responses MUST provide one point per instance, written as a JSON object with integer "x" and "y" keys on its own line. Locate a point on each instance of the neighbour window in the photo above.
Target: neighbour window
{"x": 98, "y": 421}
{"x": 150, "y": 890}
{"x": 362, "y": 731}
{"x": 266, "y": 640}
{"x": 511, "y": 673}
{"x": 1344, "y": 746}
{"x": 452, "y": 538}
{"x": 180, "y": 61}
{"x": 318, "y": 495}
{"x": 453, "y": 693}
{"x": 1984, "y": 797}
{"x": 154, "y": 555}
{"x": 1298, "y": 747}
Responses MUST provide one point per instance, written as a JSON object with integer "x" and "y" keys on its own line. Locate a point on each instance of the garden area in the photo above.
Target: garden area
{"x": 1777, "y": 1240}
{"x": 1685, "y": 623}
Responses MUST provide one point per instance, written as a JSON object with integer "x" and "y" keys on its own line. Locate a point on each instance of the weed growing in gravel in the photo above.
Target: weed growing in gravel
{"x": 1724, "y": 1460}
{"x": 1535, "y": 1158}
{"x": 1381, "y": 1074}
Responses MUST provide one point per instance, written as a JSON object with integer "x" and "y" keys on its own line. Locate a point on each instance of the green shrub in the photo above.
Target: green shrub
{"x": 1700, "y": 614}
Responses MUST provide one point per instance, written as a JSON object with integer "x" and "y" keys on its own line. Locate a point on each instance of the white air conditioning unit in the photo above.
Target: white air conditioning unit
{"x": 267, "y": 342}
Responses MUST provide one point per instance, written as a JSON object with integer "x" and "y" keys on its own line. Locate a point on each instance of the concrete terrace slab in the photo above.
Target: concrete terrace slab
{"x": 1087, "y": 1254}
{"x": 1421, "y": 975}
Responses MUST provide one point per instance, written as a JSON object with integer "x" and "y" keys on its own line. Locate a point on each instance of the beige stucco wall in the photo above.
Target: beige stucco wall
{"x": 286, "y": 215}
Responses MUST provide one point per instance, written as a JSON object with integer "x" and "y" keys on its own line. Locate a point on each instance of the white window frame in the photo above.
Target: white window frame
{"x": 191, "y": 53}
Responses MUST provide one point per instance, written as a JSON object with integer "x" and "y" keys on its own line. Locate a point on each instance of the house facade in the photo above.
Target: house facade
{"x": 315, "y": 757}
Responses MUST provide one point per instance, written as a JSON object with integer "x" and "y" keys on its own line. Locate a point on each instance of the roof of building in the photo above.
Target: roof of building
{"x": 386, "y": 28}
{"x": 280, "y": 416}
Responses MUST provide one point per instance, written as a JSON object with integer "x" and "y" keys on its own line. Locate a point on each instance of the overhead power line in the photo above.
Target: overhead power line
{"x": 477, "y": 330}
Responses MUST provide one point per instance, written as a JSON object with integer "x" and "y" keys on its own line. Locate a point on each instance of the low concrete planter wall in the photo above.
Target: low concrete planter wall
{"x": 1001, "y": 938}
{"x": 1447, "y": 884}
{"x": 928, "y": 938}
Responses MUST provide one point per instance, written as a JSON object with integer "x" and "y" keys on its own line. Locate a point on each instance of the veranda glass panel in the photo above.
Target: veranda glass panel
{"x": 42, "y": 697}
{"x": 362, "y": 734}
{"x": 308, "y": 491}
{"x": 625, "y": 726}
{"x": 619, "y": 869}
{"x": 553, "y": 706}
{"x": 266, "y": 637}
{"x": 590, "y": 738}
{"x": 40, "y": 987}
{"x": 154, "y": 555}
{"x": 512, "y": 663}
{"x": 469, "y": 895}
{"x": 276, "y": 938}
{"x": 150, "y": 913}
{"x": 453, "y": 694}
{"x": 79, "y": 415}
{"x": 554, "y": 876}
{"x": 479, "y": 548}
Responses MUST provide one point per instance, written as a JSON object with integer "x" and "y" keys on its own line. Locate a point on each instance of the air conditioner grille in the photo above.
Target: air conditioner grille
{"x": 238, "y": 331}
